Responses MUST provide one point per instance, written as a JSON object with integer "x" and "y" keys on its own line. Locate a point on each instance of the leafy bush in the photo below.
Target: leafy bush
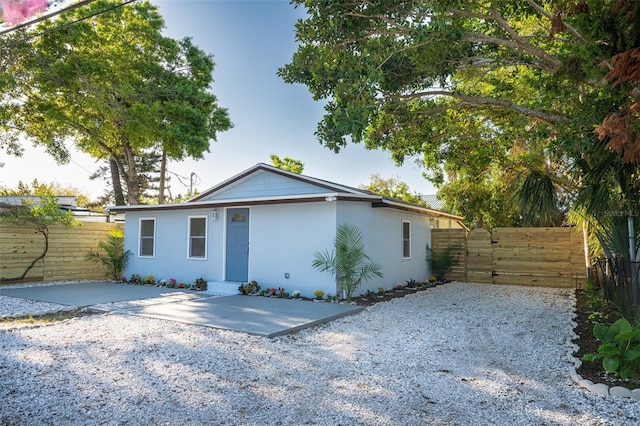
{"x": 442, "y": 261}
{"x": 601, "y": 310}
{"x": 201, "y": 284}
{"x": 620, "y": 348}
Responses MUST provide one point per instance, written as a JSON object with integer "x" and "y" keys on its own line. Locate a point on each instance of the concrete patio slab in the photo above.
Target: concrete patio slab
{"x": 87, "y": 294}
{"x": 261, "y": 316}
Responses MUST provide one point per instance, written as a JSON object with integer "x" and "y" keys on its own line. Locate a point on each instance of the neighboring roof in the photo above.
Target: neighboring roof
{"x": 433, "y": 201}
{"x": 333, "y": 192}
{"x": 65, "y": 202}
{"x": 19, "y": 200}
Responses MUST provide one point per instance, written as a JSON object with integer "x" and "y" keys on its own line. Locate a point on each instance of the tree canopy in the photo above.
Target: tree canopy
{"x": 287, "y": 163}
{"x": 392, "y": 187}
{"x": 114, "y": 86}
{"x": 484, "y": 94}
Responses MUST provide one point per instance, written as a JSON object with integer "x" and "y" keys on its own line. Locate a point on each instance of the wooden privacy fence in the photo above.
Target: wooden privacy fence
{"x": 549, "y": 257}
{"x": 65, "y": 259}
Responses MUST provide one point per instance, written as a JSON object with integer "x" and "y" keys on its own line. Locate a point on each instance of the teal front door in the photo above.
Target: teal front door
{"x": 237, "y": 263}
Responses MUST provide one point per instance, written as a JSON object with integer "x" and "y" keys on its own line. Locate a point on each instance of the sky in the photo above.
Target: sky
{"x": 249, "y": 40}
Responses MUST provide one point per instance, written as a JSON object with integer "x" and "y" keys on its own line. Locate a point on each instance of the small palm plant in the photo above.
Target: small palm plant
{"x": 348, "y": 262}
{"x": 113, "y": 255}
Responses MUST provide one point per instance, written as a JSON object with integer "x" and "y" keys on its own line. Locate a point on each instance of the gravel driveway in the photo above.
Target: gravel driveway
{"x": 458, "y": 354}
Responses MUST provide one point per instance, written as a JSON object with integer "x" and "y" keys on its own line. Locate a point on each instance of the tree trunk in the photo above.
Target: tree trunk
{"x": 131, "y": 177}
{"x": 587, "y": 256}
{"x": 116, "y": 183}
{"x": 44, "y": 231}
{"x": 163, "y": 172}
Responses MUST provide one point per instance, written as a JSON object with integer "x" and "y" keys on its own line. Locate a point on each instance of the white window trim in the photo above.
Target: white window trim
{"x": 403, "y": 239}
{"x": 206, "y": 236}
{"x": 155, "y": 236}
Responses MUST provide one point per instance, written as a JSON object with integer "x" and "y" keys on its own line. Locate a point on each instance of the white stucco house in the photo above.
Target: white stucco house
{"x": 264, "y": 224}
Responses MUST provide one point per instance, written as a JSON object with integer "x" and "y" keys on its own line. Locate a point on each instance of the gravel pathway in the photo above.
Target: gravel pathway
{"x": 458, "y": 354}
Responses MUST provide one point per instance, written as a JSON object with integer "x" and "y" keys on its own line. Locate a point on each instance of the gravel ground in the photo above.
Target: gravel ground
{"x": 458, "y": 354}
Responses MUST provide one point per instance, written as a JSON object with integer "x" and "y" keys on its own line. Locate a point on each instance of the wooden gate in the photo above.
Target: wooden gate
{"x": 548, "y": 257}
{"x": 479, "y": 257}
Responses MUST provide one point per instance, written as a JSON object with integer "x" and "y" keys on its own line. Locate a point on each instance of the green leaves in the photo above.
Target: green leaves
{"x": 116, "y": 86}
{"x": 441, "y": 262}
{"x": 620, "y": 350}
{"x": 393, "y": 188}
{"x": 287, "y": 163}
{"x": 40, "y": 214}
{"x": 476, "y": 92}
{"x": 113, "y": 256}
{"x": 348, "y": 261}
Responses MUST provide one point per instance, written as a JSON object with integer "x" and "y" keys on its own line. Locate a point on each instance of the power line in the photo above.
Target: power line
{"x": 47, "y": 16}
{"x": 68, "y": 24}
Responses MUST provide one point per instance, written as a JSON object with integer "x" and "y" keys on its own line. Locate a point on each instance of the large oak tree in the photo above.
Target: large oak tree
{"x": 484, "y": 92}
{"x": 114, "y": 86}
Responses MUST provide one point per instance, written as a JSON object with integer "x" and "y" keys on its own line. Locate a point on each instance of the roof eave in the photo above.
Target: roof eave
{"x": 285, "y": 199}
{"x": 386, "y": 202}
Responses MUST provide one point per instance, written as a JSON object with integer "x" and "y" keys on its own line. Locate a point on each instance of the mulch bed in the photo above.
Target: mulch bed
{"x": 372, "y": 299}
{"x": 589, "y": 344}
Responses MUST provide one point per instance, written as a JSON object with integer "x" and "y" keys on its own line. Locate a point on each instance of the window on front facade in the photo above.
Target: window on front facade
{"x": 198, "y": 237}
{"x": 147, "y": 237}
{"x": 406, "y": 240}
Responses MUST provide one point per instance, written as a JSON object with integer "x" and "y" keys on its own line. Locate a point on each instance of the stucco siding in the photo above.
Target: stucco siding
{"x": 264, "y": 184}
{"x": 283, "y": 238}
{"x": 170, "y": 259}
{"x": 382, "y": 230}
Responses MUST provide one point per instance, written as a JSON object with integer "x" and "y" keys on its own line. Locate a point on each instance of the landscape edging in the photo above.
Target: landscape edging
{"x": 576, "y": 363}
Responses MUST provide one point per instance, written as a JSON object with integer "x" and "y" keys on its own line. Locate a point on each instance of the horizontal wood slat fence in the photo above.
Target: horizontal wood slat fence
{"x": 546, "y": 257}
{"x": 65, "y": 259}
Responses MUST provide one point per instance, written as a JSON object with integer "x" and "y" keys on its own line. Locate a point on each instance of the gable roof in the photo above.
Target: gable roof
{"x": 324, "y": 191}
{"x": 324, "y": 184}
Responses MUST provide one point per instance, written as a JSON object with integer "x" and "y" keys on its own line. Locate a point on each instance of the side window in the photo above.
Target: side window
{"x": 197, "y": 237}
{"x": 406, "y": 239}
{"x": 147, "y": 237}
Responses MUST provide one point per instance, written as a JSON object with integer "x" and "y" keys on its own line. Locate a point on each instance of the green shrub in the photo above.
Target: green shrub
{"x": 601, "y": 310}
{"x": 113, "y": 256}
{"x": 348, "y": 261}
{"x": 620, "y": 348}
{"x": 442, "y": 261}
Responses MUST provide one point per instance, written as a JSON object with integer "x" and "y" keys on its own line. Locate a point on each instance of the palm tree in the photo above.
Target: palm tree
{"x": 113, "y": 257}
{"x": 348, "y": 262}
{"x": 537, "y": 198}
{"x": 608, "y": 197}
